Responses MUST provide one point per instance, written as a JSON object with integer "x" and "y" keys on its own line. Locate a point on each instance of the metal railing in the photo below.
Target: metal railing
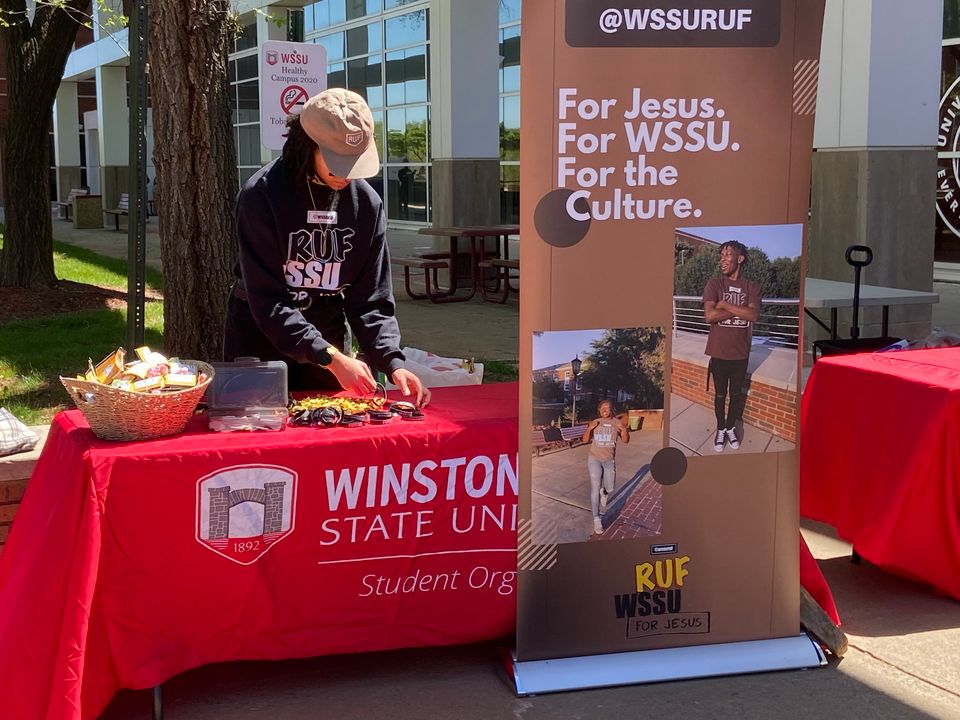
{"x": 779, "y": 320}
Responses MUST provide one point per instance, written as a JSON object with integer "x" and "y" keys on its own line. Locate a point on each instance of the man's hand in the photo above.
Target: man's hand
{"x": 409, "y": 384}
{"x": 353, "y": 375}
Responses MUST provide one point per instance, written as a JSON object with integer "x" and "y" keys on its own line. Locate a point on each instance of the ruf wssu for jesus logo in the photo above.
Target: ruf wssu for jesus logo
{"x": 243, "y": 511}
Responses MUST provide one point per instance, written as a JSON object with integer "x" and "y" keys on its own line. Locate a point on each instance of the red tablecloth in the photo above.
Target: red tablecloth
{"x": 880, "y": 459}
{"x": 129, "y": 563}
{"x": 113, "y": 575}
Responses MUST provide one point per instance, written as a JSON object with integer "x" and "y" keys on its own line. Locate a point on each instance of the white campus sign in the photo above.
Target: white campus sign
{"x": 290, "y": 73}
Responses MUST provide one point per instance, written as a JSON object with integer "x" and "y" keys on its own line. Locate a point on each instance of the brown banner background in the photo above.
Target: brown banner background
{"x": 735, "y": 517}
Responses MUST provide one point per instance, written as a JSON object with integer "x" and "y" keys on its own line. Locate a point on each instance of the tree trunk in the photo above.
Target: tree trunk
{"x": 196, "y": 166}
{"x": 36, "y": 57}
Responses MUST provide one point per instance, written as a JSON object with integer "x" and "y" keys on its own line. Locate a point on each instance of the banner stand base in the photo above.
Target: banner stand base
{"x": 647, "y": 666}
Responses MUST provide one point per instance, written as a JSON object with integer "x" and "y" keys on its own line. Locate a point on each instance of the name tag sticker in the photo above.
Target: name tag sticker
{"x": 315, "y": 217}
{"x": 735, "y": 289}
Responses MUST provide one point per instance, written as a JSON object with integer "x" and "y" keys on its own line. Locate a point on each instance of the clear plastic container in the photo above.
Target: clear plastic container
{"x": 248, "y": 394}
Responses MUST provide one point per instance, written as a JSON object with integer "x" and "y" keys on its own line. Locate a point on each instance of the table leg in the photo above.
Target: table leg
{"x": 885, "y": 322}
{"x": 818, "y": 321}
{"x": 158, "y": 702}
{"x": 833, "y": 323}
{"x": 449, "y": 296}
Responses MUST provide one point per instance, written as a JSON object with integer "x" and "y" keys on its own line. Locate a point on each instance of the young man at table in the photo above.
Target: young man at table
{"x": 731, "y": 304}
{"x": 313, "y": 257}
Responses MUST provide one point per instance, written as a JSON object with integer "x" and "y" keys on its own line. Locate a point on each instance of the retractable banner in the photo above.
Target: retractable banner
{"x": 665, "y": 165}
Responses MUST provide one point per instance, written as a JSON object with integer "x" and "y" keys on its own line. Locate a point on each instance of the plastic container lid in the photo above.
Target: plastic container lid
{"x": 248, "y": 383}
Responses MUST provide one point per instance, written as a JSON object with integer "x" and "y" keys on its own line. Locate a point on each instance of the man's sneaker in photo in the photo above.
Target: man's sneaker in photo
{"x": 603, "y": 500}
{"x": 597, "y": 526}
{"x": 732, "y": 438}
{"x": 718, "y": 441}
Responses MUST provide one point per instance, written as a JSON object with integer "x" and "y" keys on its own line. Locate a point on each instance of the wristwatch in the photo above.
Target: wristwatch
{"x": 326, "y": 357}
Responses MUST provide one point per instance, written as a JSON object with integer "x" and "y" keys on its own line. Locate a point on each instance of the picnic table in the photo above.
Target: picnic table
{"x": 480, "y": 256}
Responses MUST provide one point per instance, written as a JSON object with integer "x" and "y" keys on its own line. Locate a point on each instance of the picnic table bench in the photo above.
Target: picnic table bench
{"x": 123, "y": 208}
{"x": 67, "y": 205}
{"x": 502, "y": 270}
{"x": 544, "y": 437}
{"x": 431, "y": 265}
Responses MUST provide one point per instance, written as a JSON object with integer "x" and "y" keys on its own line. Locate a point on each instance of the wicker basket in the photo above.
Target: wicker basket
{"x": 115, "y": 414}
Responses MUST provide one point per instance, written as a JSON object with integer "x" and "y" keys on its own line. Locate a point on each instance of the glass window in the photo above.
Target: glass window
{"x": 248, "y": 145}
{"x": 364, "y": 39}
{"x": 308, "y": 22}
{"x": 510, "y": 127}
{"x": 378, "y": 131}
{"x": 246, "y": 68}
{"x": 951, "y": 19}
{"x": 334, "y": 45}
{"x": 247, "y": 173}
{"x": 376, "y": 182}
{"x": 510, "y": 11}
{"x": 328, "y": 12}
{"x": 336, "y": 75}
{"x": 364, "y": 76}
{"x": 408, "y": 29}
{"x": 407, "y": 192}
{"x": 407, "y": 76}
{"x": 510, "y": 65}
{"x": 247, "y": 38}
{"x": 360, "y": 8}
{"x": 407, "y": 132}
{"x": 248, "y": 102}
{"x": 510, "y": 194}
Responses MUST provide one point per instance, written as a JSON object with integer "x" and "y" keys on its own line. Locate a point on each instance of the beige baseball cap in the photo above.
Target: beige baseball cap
{"x": 340, "y": 123}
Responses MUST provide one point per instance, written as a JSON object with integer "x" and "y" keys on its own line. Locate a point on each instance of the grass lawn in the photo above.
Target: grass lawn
{"x": 34, "y": 353}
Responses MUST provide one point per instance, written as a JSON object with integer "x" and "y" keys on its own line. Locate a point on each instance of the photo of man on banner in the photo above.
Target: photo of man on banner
{"x": 731, "y": 304}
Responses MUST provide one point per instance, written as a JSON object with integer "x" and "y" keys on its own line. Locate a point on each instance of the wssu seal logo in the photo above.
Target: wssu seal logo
{"x": 242, "y": 511}
{"x": 948, "y": 173}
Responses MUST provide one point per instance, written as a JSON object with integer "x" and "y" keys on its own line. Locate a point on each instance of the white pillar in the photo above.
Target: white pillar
{"x": 465, "y": 111}
{"x": 113, "y": 122}
{"x": 874, "y": 170}
{"x": 66, "y": 139}
{"x": 879, "y": 76}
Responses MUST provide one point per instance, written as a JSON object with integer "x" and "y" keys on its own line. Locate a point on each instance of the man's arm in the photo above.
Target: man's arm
{"x": 749, "y": 312}
{"x": 624, "y": 428}
{"x": 711, "y": 298}
{"x": 714, "y": 313}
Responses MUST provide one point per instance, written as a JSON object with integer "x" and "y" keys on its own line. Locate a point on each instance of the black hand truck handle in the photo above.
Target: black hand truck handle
{"x": 861, "y": 249}
{"x": 857, "y": 266}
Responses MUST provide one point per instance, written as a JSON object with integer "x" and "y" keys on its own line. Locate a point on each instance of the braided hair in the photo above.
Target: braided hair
{"x": 739, "y": 248}
{"x": 298, "y": 149}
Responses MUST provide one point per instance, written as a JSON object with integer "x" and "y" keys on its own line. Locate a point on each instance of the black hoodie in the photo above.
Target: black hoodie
{"x": 305, "y": 276}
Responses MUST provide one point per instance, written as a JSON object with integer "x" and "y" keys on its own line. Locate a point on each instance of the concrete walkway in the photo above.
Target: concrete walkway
{"x": 692, "y": 429}
{"x": 561, "y": 489}
{"x": 903, "y": 664}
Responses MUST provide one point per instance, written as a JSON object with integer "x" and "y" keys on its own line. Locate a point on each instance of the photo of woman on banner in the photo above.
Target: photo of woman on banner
{"x": 731, "y": 304}
{"x": 603, "y": 434}
{"x": 598, "y": 405}
{"x": 313, "y": 258}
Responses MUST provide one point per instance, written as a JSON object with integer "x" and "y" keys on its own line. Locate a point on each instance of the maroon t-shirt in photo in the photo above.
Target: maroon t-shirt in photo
{"x": 730, "y": 339}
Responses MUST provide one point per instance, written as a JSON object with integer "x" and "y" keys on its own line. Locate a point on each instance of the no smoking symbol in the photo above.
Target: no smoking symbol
{"x": 292, "y": 96}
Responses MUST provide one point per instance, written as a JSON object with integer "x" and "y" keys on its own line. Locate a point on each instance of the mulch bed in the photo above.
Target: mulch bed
{"x": 66, "y": 297}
